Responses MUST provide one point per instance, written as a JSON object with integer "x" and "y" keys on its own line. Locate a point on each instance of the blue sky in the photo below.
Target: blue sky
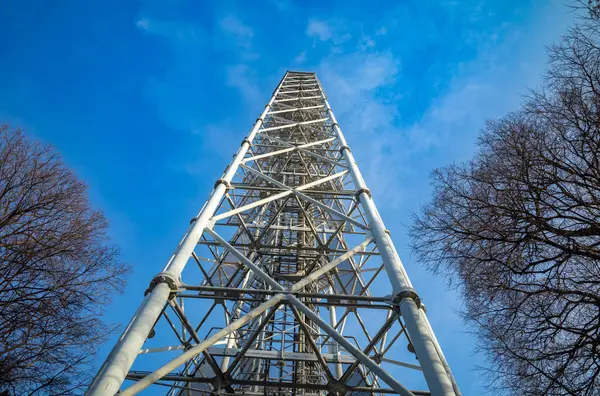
{"x": 148, "y": 101}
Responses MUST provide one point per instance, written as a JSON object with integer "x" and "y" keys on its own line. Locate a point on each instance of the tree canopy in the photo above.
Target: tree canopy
{"x": 517, "y": 228}
{"x": 57, "y": 271}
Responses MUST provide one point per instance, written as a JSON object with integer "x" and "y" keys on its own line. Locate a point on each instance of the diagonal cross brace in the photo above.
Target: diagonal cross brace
{"x": 240, "y": 256}
{"x": 201, "y": 347}
{"x": 297, "y": 192}
{"x": 364, "y": 359}
{"x": 328, "y": 267}
{"x": 287, "y": 150}
{"x": 274, "y": 197}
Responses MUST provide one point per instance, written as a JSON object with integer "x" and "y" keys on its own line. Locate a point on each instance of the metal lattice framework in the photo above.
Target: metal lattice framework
{"x": 286, "y": 283}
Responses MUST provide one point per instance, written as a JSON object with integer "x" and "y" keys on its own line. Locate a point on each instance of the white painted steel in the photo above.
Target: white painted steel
{"x": 201, "y": 347}
{"x": 441, "y": 354}
{"x": 297, "y": 109}
{"x": 333, "y": 348}
{"x": 313, "y": 276}
{"x": 291, "y": 125}
{"x": 115, "y": 368}
{"x": 257, "y": 271}
{"x": 301, "y": 208}
{"x": 364, "y": 359}
{"x": 425, "y": 346}
{"x": 292, "y": 99}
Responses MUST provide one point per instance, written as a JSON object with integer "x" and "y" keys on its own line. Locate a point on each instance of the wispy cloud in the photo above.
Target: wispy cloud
{"x": 318, "y": 29}
{"x": 282, "y": 5}
{"x": 332, "y": 30}
{"x": 235, "y": 38}
{"x": 234, "y": 28}
{"x": 300, "y": 58}
{"x": 188, "y": 33}
{"x": 365, "y": 43}
{"x": 381, "y": 31}
{"x": 352, "y": 82}
{"x": 243, "y": 77}
{"x": 143, "y": 24}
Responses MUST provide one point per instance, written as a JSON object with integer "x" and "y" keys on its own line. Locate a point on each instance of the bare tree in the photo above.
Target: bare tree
{"x": 592, "y": 5}
{"x": 517, "y": 228}
{"x": 57, "y": 270}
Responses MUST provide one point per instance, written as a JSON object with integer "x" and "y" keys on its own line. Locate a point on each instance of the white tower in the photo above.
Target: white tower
{"x": 286, "y": 282}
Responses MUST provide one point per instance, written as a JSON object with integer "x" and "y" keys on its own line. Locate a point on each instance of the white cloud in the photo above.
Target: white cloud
{"x": 243, "y": 77}
{"x": 333, "y": 30}
{"x": 300, "y": 58}
{"x": 234, "y": 36}
{"x": 486, "y": 87}
{"x": 187, "y": 33}
{"x": 233, "y": 27}
{"x": 351, "y": 81}
{"x": 281, "y": 5}
{"x": 143, "y": 24}
{"x": 381, "y": 31}
{"x": 318, "y": 29}
{"x": 366, "y": 43}
{"x": 357, "y": 74}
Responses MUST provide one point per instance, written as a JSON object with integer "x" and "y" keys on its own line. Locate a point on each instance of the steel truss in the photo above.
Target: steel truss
{"x": 276, "y": 287}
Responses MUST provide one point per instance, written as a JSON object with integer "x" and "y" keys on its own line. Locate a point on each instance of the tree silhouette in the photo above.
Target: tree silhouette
{"x": 518, "y": 228}
{"x": 57, "y": 271}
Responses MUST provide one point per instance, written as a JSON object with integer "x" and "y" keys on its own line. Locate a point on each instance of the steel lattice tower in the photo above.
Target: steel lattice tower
{"x": 286, "y": 282}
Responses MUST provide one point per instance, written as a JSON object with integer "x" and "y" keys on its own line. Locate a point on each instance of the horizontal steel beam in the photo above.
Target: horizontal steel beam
{"x": 145, "y": 382}
{"x": 297, "y": 109}
{"x": 299, "y": 98}
{"x": 243, "y": 186}
{"x": 136, "y": 375}
{"x": 274, "y": 128}
{"x": 297, "y": 91}
{"x": 320, "y": 303}
{"x": 290, "y": 228}
{"x": 262, "y": 248}
{"x": 325, "y": 296}
{"x": 278, "y": 355}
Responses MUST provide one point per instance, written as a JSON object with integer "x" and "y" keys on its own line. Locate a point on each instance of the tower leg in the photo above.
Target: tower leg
{"x": 404, "y": 295}
{"x": 121, "y": 358}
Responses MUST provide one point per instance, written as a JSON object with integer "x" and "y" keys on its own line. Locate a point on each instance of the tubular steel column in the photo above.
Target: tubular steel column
{"x": 289, "y": 236}
{"x": 120, "y": 359}
{"x": 438, "y": 379}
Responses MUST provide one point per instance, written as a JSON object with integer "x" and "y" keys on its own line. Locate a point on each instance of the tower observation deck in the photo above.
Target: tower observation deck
{"x": 286, "y": 283}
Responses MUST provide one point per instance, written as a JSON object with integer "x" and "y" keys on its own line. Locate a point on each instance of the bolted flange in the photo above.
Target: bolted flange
{"x": 407, "y": 292}
{"x": 363, "y": 190}
{"x": 164, "y": 277}
{"x": 344, "y": 147}
{"x": 223, "y": 181}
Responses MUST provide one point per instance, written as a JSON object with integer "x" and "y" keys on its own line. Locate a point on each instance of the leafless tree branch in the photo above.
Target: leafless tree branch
{"x": 517, "y": 228}
{"x": 57, "y": 271}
